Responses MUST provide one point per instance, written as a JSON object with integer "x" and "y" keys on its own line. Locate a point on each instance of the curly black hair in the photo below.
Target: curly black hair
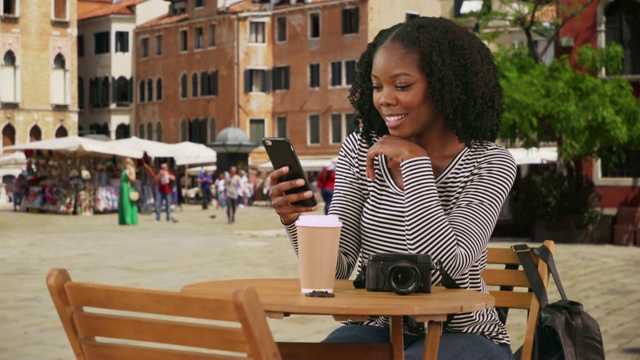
{"x": 460, "y": 70}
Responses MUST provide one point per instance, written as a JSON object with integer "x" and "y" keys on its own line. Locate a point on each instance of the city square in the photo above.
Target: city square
{"x": 199, "y": 247}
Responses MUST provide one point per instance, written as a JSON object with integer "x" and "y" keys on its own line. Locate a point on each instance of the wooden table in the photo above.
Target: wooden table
{"x": 282, "y": 297}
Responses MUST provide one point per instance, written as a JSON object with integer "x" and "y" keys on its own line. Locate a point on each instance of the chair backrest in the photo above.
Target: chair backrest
{"x": 509, "y": 285}
{"x": 113, "y": 322}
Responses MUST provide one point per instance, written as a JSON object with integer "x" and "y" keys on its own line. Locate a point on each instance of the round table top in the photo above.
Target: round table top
{"x": 284, "y": 296}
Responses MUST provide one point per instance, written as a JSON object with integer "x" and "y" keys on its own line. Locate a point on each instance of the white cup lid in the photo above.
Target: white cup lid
{"x": 319, "y": 220}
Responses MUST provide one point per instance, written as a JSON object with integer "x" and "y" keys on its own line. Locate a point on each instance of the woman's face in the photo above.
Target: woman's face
{"x": 400, "y": 93}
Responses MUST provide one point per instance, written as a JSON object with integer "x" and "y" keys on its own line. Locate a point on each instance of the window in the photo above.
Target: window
{"x": 159, "y": 132}
{"x": 336, "y": 73}
{"x": 149, "y": 131}
{"x": 122, "y": 131}
{"x": 350, "y": 124}
{"x": 35, "y": 134}
{"x": 198, "y": 131}
{"x": 104, "y": 100}
{"x": 281, "y": 126}
{"x": 121, "y": 88}
{"x": 122, "y": 41}
{"x": 183, "y": 40}
{"x": 336, "y": 128}
{"x": 281, "y": 29}
{"x": 158, "y": 44}
{"x": 314, "y": 130}
{"x": 314, "y": 75}
{"x": 256, "y": 80}
{"x": 61, "y": 132}
{"x": 80, "y": 45}
{"x": 198, "y": 38}
{"x": 60, "y": 10}
{"x": 256, "y": 130}
{"x": 350, "y": 71}
{"x": 208, "y": 83}
{"x": 159, "y": 89}
{"x": 623, "y": 27}
{"x": 183, "y": 86}
{"x": 9, "y": 77}
{"x": 314, "y": 25}
{"x": 80, "y": 93}
{"x": 8, "y": 135}
{"x": 59, "y": 83}
{"x": 144, "y": 47}
{"x": 212, "y": 35}
{"x": 149, "y": 90}
{"x": 212, "y": 130}
{"x": 256, "y": 32}
{"x": 198, "y": 3}
{"x": 629, "y": 167}
{"x": 141, "y": 131}
{"x": 9, "y": 8}
{"x": 101, "y": 42}
{"x": 141, "y": 92}
{"x": 350, "y": 21}
{"x": 213, "y": 77}
{"x": 281, "y": 78}
{"x": 184, "y": 131}
{"x": 194, "y": 85}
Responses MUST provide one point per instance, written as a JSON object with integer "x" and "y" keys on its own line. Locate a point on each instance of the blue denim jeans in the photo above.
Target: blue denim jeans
{"x": 453, "y": 346}
{"x": 167, "y": 199}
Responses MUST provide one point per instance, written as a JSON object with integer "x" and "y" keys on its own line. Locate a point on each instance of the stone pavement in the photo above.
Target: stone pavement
{"x": 605, "y": 278}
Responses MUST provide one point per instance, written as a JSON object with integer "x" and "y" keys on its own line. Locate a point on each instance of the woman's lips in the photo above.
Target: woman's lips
{"x": 394, "y": 120}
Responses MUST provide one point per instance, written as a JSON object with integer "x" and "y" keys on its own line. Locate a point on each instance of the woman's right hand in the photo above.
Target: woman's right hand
{"x": 282, "y": 203}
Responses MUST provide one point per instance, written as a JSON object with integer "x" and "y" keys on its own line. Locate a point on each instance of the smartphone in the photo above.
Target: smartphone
{"x": 281, "y": 153}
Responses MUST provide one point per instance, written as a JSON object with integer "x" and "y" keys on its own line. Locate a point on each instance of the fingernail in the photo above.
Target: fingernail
{"x": 285, "y": 168}
{"x": 299, "y": 182}
{"x": 308, "y": 193}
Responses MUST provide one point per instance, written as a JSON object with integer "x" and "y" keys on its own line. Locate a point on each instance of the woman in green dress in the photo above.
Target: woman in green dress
{"x": 127, "y": 209}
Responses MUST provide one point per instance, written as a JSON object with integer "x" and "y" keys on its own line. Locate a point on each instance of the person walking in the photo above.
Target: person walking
{"x": 231, "y": 189}
{"x": 164, "y": 180}
{"x": 205, "y": 180}
{"x": 326, "y": 184}
{"x": 19, "y": 184}
{"x": 127, "y": 207}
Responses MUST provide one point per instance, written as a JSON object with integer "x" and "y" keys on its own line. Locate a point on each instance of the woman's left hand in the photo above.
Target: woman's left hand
{"x": 396, "y": 150}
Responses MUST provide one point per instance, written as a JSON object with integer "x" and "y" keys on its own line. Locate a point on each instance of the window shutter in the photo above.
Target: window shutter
{"x": 356, "y": 15}
{"x": 286, "y": 77}
{"x": 267, "y": 81}
{"x": 114, "y": 90}
{"x": 126, "y": 42}
{"x": 247, "y": 81}
{"x": 100, "y": 90}
{"x": 130, "y": 90}
{"x": 344, "y": 21}
{"x": 214, "y": 83}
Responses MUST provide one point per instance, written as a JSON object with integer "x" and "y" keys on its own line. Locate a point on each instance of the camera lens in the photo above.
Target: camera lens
{"x": 404, "y": 277}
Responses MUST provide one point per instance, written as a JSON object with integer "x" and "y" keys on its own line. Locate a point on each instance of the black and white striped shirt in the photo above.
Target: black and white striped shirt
{"x": 450, "y": 216}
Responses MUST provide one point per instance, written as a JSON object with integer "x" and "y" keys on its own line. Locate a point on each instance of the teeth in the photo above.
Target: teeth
{"x": 394, "y": 118}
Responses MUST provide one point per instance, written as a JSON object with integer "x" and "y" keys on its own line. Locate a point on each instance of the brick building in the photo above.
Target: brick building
{"x": 279, "y": 68}
{"x": 38, "y": 70}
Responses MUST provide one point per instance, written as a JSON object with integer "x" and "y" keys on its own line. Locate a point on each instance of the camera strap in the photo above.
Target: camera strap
{"x": 359, "y": 281}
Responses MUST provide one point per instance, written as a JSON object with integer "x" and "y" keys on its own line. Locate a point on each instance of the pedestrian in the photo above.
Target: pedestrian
{"x": 164, "y": 178}
{"x": 127, "y": 202}
{"x": 18, "y": 186}
{"x": 220, "y": 191}
{"x": 205, "y": 180}
{"x": 231, "y": 188}
{"x": 422, "y": 175}
{"x": 326, "y": 185}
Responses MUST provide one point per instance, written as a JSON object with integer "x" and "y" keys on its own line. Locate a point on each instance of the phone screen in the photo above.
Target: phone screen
{"x": 281, "y": 153}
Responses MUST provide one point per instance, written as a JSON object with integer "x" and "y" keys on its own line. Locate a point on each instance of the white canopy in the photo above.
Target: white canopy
{"x": 308, "y": 164}
{"x": 189, "y": 153}
{"x": 153, "y": 148}
{"x": 16, "y": 158}
{"x": 534, "y": 155}
{"x": 79, "y": 146}
{"x": 195, "y": 171}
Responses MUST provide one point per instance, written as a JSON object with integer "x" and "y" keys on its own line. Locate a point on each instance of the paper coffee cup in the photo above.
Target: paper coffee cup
{"x": 318, "y": 244}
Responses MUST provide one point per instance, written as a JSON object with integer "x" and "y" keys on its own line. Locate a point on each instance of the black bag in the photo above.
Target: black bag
{"x": 563, "y": 330}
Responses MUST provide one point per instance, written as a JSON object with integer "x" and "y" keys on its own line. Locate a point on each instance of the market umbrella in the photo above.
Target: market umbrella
{"x": 16, "y": 158}
{"x": 190, "y": 153}
{"x": 154, "y": 149}
{"x": 80, "y": 146}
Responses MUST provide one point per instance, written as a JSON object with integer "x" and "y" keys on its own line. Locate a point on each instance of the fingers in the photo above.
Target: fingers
{"x": 371, "y": 154}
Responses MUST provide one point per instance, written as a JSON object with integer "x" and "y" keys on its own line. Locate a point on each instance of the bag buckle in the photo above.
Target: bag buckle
{"x": 520, "y": 248}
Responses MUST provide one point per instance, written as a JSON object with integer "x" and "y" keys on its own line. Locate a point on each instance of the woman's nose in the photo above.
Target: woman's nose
{"x": 386, "y": 98}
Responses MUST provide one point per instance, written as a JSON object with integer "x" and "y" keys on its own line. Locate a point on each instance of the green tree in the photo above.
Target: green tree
{"x": 586, "y": 116}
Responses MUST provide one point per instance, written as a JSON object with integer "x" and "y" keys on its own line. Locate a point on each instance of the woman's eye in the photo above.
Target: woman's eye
{"x": 377, "y": 87}
{"x": 402, "y": 87}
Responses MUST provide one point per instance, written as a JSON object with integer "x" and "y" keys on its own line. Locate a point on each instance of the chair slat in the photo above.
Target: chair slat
{"x": 512, "y": 299}
{"x": 504, "y": 256}
{"x": 149, "y": 301}
{"x": 160, "y": 331}
{"x": 505, "y": 278}
{"x": 111, "y": 351}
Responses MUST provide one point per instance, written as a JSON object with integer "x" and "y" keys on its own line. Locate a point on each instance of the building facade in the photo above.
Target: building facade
{"x": 38, "y": 70}
{"x": 275, "y": 68}
{"x": 105, "y": 62}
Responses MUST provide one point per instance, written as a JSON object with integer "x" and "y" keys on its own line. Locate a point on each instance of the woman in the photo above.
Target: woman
{"x": 127, "y": 209}
{"x": 422, "y": 175}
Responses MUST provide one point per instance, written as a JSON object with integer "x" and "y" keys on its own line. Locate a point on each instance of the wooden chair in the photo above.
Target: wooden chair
{"x": 511, "y": 288}
{"x": 145, "y": 332}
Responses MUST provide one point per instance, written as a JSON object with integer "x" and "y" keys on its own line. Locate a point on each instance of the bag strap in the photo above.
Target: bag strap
{"x": 544, "y": 254}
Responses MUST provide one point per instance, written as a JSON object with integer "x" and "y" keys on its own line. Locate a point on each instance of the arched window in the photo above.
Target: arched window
{"x": 183, "y": 86}
{"x": 194, "y": 85}
{"x": 623, "y": 27}
{"x": 8, "y": 78}
{"x": 59, "y": 81}
{"x": 141, "y": 92}
{"x": 184, "y": 131}
{"x": 35, "y": 134}
{"x": 212, "y": 130}
{"x": 8, "y": 135}
{"x": 150, "y": 90}
{"x": 159, "y": 132}
{"x": 149, "y": 131}
{"x": 159, "y": 89}
{"x": 122, "y": 131}
{"x": 204, "y": 81}
{"x": 61, "y": 132}
{"x": 141, "y": 131}
{"x": 122, "y": 90}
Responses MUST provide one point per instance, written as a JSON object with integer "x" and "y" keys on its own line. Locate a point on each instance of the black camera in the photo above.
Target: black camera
{"x": 401, "y": 273}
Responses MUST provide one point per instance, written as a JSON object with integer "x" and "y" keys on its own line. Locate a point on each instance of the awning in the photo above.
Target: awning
{"x": 469, "y": 6}
{"x": 308, "y": 164}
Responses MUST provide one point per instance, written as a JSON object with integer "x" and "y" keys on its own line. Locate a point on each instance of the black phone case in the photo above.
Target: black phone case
{"x": 281, "y": 153}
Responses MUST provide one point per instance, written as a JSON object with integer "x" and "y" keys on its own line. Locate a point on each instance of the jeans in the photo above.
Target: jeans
{"x": 231, "y": 210}
{"x": 17, "y": 200}
{"x": 327, "y": 195}
{"x": 453, "y": 346}
{"x": 167, "y": 199}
